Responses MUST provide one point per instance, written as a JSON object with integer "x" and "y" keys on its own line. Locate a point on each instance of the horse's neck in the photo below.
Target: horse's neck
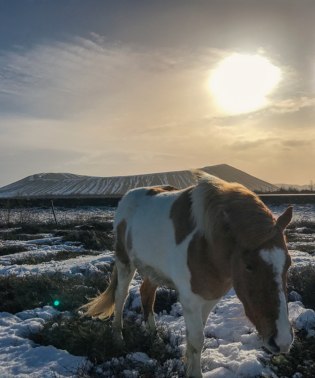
{"x": 221, "y": 254}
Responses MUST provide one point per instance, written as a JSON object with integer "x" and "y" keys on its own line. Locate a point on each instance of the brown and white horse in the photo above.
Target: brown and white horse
{"x": 202, "y": 241}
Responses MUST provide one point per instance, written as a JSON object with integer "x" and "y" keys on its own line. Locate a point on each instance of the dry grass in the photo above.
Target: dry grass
{"x": 301, "y": 358}
{"x": 12, "y": 249}
{"x": 94, "y": 340}
{"x": 302, "y": 280}
{"x": 26, "y": 293}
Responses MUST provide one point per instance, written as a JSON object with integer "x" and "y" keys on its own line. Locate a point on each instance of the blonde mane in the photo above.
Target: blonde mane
{"x": 230, "y": 208}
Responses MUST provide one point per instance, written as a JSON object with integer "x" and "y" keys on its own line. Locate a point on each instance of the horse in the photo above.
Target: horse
{"x": 201, "y": 241}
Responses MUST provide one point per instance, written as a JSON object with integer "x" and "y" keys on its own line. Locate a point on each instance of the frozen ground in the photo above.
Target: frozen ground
{"x": 301, "y": 212}
{"x": 63, "y": 215}
{"x": 305, "y": 212}
{"x": 232, "y": 347}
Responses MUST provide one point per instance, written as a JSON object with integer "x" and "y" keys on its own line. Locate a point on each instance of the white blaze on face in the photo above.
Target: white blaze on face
{"x": 276, "y": 258}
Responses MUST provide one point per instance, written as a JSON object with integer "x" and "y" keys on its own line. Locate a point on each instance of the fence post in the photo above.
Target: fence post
{"x": 53, "y": 209}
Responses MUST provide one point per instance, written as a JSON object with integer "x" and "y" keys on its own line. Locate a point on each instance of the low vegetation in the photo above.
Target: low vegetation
{"x": 90, "y": 239}
{"x": 290, "y": 190}
{"x": 12, "y": 249}
{"x": 29, "y": 292}
{"x": 308, "y": 226}
{"x": 94, "y": 339}
{"x": 301, "y": 358}
{"x": 302, "y": 280}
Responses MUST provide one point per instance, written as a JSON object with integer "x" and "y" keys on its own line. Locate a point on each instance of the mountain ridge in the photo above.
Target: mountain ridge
{"x": 68, "y": 184}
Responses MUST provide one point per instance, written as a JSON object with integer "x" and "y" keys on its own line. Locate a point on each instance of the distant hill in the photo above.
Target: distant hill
{"x": 71, "y": 185}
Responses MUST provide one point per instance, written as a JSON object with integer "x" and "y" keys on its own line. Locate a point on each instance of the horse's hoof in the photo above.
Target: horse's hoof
{"x": 118, "y": 338}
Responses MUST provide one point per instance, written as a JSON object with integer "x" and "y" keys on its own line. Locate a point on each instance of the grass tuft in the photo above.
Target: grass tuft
{"x": 307, "y": 224}
{"x": 94, "y": 339}
{"x": 12, "y": 249}
{"x": 91, "y": 239}
{"x": 26, "y": 293}
{"x": 301, "y": 358}
{"x": 164, "y": 300}
{"x": 302, "y": 280}
{"x": 307, "y": 248}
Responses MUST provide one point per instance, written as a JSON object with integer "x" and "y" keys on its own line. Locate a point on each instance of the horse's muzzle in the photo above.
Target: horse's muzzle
{"x": 275, "y": 348}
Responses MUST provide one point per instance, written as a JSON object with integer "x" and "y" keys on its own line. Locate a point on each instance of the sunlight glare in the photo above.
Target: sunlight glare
{"x": 241, "y": 82}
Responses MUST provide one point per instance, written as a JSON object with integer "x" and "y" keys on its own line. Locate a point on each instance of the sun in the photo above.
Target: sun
{"x": 241, "y": 82}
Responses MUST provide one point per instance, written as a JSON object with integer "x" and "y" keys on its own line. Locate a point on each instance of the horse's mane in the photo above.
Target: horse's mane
{"x": 230, "y": 209}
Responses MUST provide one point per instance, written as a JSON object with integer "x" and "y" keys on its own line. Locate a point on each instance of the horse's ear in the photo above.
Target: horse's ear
{"x": 197, "y": 174}
{"x": 285, "y": 218}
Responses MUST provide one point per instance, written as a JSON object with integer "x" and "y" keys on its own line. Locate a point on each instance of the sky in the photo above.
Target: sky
{"x": 111, "y": 88}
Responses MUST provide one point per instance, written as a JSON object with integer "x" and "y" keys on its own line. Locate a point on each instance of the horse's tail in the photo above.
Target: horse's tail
{"x": 104, "y": 305}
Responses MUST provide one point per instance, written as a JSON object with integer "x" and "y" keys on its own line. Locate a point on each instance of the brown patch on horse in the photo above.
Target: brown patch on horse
{"x": 181, "y": 216}
{"x": 210, "y": 277}
{"x": 147, "y": 292}
{"x": 121, "y": 252}
{"x": 161, "y": 189}
{"x": 129, "y": 240}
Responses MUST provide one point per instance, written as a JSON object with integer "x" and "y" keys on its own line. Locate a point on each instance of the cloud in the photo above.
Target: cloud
{"x": 269, "y": 143}
{"x": 292, "y": 105}
{"x": 61, "y": 79}
{"x": 297, "y": 143}
{"x": 244, "y": 145}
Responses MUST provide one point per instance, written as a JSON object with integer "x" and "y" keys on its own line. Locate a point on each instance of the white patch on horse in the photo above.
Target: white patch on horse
{"x": 276, "y": 258}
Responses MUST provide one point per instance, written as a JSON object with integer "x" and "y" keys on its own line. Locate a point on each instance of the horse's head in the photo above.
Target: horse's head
{"x": 259, "y": 280}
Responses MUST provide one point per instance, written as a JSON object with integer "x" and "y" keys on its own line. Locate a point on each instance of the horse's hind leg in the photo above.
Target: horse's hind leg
{"x": 147, "y": 292}
{"x": 125, "y": 274}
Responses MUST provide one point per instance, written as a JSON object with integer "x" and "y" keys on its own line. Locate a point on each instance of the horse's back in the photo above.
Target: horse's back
{"x": 141, "y": 203}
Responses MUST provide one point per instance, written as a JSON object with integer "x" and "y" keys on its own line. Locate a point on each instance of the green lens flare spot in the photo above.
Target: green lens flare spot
{"x": 56, "y": 303}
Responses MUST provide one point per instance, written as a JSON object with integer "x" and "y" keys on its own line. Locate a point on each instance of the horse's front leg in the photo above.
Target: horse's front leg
{"x": 194, "y": 339}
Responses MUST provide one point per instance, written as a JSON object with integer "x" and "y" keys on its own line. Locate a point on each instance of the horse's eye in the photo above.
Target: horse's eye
{"x": 248, "y": 267}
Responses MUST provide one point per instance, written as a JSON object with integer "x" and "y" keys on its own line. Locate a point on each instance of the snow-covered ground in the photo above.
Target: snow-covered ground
{"x": 305, "y": 212}
{"x": 232, "y": 347}
{"x": 301, "y": 212}
{"x": 39, "y": 215}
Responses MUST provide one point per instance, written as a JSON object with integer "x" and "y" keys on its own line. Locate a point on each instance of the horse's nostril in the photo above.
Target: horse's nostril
{"x": 272, "y": 343}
